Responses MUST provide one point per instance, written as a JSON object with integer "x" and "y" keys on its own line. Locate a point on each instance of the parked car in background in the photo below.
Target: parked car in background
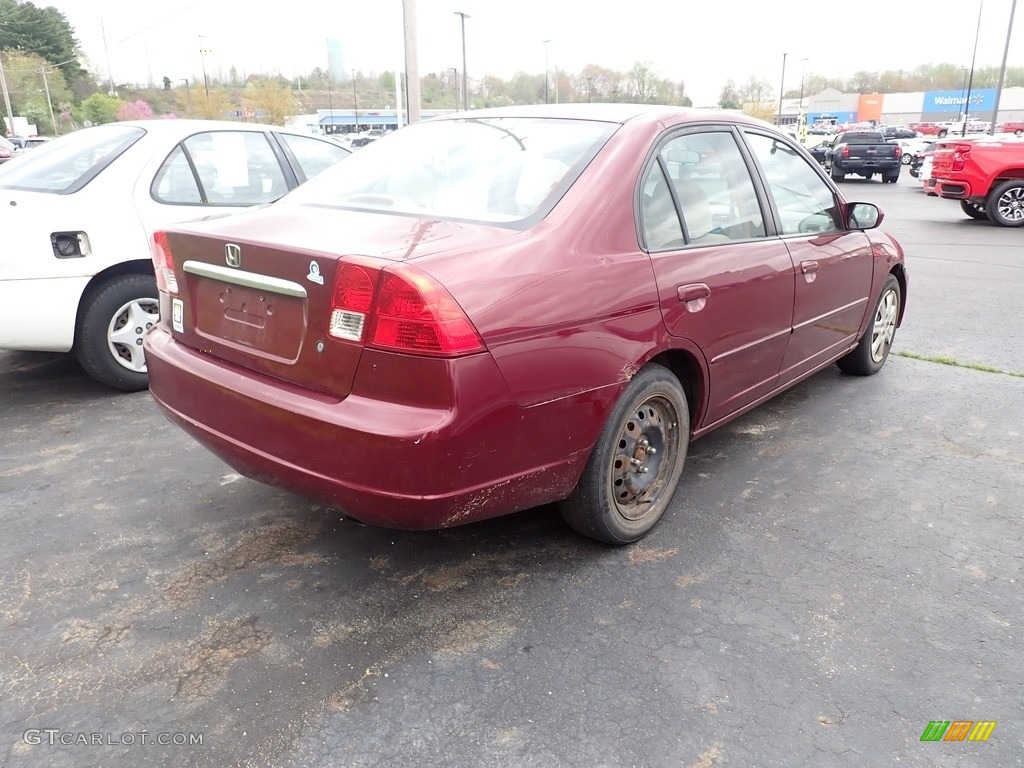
{"x": 939, "y": 130}
{"x": 899, "y": 132}
{"x": 910, "y": 147}
{"x": 986, "y": 176}
{"x": 495, "y": 310}
{"x": 28, "y": 142}
{"x": 1016, "y": 127}
{"x": 865, "y": 153}
{"x": 821, "y": 151}
{"x": 918, "y": 159}
{"x": 77, "y": 217}
{"x": 7, "y": 149}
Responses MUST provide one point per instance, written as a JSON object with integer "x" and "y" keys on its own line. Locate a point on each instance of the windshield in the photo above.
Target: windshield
{"x": 492, "y": 170}
{"x": 67, "y": 164}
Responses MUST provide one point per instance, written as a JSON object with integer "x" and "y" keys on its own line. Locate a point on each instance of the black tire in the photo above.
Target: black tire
{"x": 1005, "y": 204}
{"x": 113, "y": 317}
{"x": 636, "y": 464}
{"x": 868, "y": 176}
{"x": 974, "y": 210}
{"x": 873, "y": 348}
{"x": 890, "y": 177}
{"x": 837, "y": 176}
{"x": 942, "y": 134}
{"x": 1018, "y": 132}
{"x": 906, "y": 158}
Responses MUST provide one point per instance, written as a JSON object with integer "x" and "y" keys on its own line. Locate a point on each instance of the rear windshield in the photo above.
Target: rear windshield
{"x": 492, "y": 170}
{"x": 862, "y": 138}
{"x": 67, "y": 164}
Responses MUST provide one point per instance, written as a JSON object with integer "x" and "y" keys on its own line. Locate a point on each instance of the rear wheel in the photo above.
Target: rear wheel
{"x": 1018, "y": 132}
{"x": 974, "y": 210}
{"x": 837, "y": 175}
{"x": 906, "y": 158}
{"x": 942, "y": 134}
{"x": 113, "y": 318}
{"x": 636, "y": 464}
{"x": 873, "y": 348}
{"x": 891, "y": 177}
{"x": 1005, "y": 204}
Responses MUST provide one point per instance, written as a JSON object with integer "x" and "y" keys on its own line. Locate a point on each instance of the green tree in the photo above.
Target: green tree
{"x": 99, "y": 109}
{"x": 730, "y": 97}
{"x": 43, "y": 31}
{"x": 269, "y": 97}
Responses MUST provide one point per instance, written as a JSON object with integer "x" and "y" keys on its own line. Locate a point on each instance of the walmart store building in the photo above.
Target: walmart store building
{"x": 904, "y": 108}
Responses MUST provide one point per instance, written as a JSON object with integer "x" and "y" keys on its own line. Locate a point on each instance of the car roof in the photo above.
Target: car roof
{"x": 611, "y": 113}
{"x": 163, "y": 126}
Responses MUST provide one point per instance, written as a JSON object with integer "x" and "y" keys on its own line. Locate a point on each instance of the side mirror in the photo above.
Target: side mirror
{"x": 863, "y": 216}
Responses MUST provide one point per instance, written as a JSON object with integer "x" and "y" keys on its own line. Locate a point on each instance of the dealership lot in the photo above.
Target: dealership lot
{"x": 840, "y": 567}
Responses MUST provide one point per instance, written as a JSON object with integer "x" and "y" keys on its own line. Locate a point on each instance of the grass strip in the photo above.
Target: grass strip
{"x": 943, "y": 360}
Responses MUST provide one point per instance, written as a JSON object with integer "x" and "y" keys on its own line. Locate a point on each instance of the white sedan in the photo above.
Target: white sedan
{"x": 78, "y": 213}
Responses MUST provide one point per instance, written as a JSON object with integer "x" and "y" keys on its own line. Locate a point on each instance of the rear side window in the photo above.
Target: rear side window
{"x": 313, "y": 155}
{"x": 63, "y": 166}
{"x": 705, "y": 175}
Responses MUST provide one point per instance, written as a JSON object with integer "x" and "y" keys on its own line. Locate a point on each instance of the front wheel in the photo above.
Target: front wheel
{"x": 1005, "y": 204}
{"x": 636, "y": 464}
{"x": 942, "y": 134}
{"x": 873, "y": 348}
{"x": 974, "y": 210}
{"x": 112, "y": 321}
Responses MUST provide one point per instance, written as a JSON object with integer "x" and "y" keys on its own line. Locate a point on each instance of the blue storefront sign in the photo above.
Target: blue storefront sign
{"x": 982, "y": 100}
{"x": 840, "y": 118}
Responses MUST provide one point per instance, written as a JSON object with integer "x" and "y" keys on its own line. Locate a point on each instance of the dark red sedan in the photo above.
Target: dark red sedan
{"x": 511, "y": 307}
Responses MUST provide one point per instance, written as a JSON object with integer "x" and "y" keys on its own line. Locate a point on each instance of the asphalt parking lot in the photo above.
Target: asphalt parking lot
{"x": 840, "y": 567}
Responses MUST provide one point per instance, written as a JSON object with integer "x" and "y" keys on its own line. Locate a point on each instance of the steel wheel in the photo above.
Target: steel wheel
{"x": 884, "y": 328}
{"x": 127, "y": 328}
{"x": 646, "y": 452}
{"x": 635, "y": 466}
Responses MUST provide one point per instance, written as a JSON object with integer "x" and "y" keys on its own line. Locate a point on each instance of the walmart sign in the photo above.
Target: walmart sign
{"x": 982, "y": 100}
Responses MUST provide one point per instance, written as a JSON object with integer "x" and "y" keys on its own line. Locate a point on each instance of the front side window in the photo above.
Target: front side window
{"x": 493, "y": 170}
{"x": 804, "y": 199}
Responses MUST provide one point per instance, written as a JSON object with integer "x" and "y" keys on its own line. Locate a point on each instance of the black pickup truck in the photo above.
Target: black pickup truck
{"x": 864, "y": 153}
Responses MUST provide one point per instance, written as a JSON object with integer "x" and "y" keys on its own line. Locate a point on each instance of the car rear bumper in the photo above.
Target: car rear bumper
{"x": 954, "y": 190}
{"x": 384, "y": 463}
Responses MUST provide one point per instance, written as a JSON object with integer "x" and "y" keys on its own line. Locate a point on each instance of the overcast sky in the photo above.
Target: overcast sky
{"x": 701, "y": 43}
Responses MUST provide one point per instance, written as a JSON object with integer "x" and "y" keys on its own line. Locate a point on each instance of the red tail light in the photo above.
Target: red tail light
{"x": 899, "y": 151}
{"x": 846, "y": 151}
{"x": 399, "y": 308}
{"x": 959, "y": 155}
{"x": 163, "y": 264}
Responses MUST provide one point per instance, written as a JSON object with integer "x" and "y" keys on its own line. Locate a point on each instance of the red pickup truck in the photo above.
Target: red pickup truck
{"x": 985, "y": 175}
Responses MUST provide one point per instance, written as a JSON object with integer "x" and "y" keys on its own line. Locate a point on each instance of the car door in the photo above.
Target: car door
{"x": 723, "y": 283}
{"x": 833, "y": 265}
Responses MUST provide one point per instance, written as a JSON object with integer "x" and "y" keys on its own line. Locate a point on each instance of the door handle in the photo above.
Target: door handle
{"x": 809, "y": 269}
{"x": 693, "y": 295}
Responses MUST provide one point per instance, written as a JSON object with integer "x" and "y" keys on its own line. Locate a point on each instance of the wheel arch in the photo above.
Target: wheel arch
{"x": 901, "y": 277}
{"x": 686, "y": 366}
{"x": 133, "y": 267}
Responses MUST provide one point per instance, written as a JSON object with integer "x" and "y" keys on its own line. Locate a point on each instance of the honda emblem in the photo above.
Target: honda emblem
{"x": 233, "y": 255}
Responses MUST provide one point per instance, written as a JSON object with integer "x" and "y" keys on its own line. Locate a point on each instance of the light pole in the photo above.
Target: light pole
{"x": 782, "y": 85}
{"x": 465, "y": 74}
{"x": 800, "y": 109}
{"x": 355, "y": 100}
{"x": 202, "y": 57}
{"x": 1002, "y": 70}
{"x": 455, "y": 74}
{"x": 963, "y": 94}
{"x": 970, "y": 79}
{"x": 547, "y": 49}
{"x": 590, "y": 90}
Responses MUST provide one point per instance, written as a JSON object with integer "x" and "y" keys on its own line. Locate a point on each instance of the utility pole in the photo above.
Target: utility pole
{"x": 202, "y": 58}
{"x": 7, "y": 99}
{"x": 455, "y": 74}
{"x": 465, "y": 73}
{"x": 1002, "y": 70}
{"x": 355, "y": 99}
{"x": 782, "y": 87}
{"x": 547, "y": 49}
{"x": 106, "y": 53}
{"x": 46, "y": 87}
{"x": 412, "y": 62}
